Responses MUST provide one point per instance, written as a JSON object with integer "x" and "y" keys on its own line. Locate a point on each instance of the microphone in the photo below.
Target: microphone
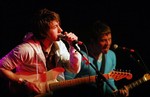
{"x": 61, "y": 36}
{"x": 115, "y": 46}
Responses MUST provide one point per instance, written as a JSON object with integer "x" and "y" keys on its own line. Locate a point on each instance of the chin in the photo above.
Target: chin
{"x": 58, "y": 39}
{"x": 105, "y": 51}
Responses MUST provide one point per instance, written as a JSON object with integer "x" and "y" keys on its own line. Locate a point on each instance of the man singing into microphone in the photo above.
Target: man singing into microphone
{"x": 41, "y": 51}
{"x": 102, "y": 58}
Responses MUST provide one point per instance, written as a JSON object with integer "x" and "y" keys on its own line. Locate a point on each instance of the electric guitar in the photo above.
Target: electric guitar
{"x": 47, "y": 81}
{"x": 134, "y": 84}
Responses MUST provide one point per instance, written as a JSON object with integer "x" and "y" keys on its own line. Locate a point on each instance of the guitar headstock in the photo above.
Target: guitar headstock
{"x": 118, "y": 75}
{"x": 147, "y": 76}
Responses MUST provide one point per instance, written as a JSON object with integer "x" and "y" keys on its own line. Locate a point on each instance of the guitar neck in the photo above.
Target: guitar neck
{"x": 136, "y": 83}
{"x": 73, "y": 82}
{"x": 78, "y": 81}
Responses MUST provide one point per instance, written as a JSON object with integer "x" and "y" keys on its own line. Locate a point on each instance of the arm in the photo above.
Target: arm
{"x": 10, "y": 62}
{"x": 6, "y": 70}
{"x": 75, "y": 59}
{"x": 8, "y": 74}
{"x": 71, "y": 59}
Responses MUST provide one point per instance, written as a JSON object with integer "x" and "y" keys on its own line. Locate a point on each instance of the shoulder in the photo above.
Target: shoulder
{"x": 111, "y": 53}
{"x": 29, "y": 44}
{"x": 27, "y": 47}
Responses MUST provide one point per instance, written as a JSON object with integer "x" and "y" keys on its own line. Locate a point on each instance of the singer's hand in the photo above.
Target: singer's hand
{"x": 70, "y": 37}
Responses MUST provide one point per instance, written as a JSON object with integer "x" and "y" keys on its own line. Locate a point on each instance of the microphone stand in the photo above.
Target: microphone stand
{"x": 100, "y": 76}
{"x": 140, "y": 59}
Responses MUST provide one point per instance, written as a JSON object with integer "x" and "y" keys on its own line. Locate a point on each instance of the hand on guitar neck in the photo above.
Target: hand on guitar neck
{"x": 145, "y": 78}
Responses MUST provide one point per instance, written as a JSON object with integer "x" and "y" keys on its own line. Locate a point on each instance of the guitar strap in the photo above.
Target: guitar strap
{"x": 103, "y": 64}
{"x": 100, "y": 82}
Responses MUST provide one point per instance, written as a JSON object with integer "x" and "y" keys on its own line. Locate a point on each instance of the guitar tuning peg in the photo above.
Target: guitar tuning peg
{"x": 114, "y": 69}
{"x": 129, "y": 71}
{"x": 126, "y": 72}
{"x": 120, "y": 70}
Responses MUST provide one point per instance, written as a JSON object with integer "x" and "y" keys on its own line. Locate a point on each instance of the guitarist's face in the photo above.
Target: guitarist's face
{"x": 104, "y": 42}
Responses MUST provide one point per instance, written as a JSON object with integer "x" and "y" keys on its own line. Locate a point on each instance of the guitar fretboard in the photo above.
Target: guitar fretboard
{"x": 74, "y": 82}
{"x": 137, "y": 83}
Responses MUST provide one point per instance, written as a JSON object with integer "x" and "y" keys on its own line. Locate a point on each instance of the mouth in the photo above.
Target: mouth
{"x": 105, "y": 50}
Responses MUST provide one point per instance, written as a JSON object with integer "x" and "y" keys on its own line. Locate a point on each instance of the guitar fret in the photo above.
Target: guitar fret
{"x": 68, "y": 83}
{"x": 138, "y": 82}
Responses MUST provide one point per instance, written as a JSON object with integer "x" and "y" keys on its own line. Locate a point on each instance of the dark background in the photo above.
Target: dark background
{"x": 129, "y": 21}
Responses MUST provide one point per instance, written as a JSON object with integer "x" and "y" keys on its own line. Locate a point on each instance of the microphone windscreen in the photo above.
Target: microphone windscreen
{"x": 115, "y": 46}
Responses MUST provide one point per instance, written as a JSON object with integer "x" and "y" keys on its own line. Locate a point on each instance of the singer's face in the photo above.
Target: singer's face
{"x": 54, "y": 30}
{"x": 104, "y": 42}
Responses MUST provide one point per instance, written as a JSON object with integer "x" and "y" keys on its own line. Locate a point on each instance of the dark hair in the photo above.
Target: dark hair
{"x": 41, "y": 20}
{"x": 99, "y": 29}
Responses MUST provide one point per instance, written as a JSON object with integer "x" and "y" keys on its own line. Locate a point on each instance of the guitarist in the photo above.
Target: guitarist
{"x": 41, "y": 51}
{"x": 102, "y": 58}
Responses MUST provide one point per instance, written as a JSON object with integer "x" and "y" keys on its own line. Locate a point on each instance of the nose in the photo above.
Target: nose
{"x": 107, "y": 43}
{"x": 60, "y": 29}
